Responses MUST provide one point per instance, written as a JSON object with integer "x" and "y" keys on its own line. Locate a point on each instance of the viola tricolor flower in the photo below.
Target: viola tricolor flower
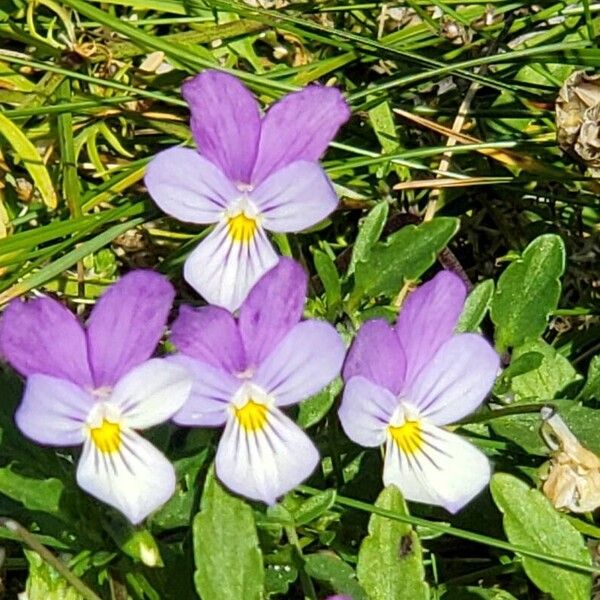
{"x": 96, "y": 385}
{"x": 246, "y": 370}
{"x": 404, "y": 383}
{"x": 250, "y": 174}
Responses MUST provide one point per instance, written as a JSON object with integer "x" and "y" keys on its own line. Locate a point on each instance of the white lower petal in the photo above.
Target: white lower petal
{"x": 136, "y": 480}
{"x": 223, "y": 270}
{"x": 445, "y": 471}
{"x": 151, "y": 393}
{"x": 265, "y": 464}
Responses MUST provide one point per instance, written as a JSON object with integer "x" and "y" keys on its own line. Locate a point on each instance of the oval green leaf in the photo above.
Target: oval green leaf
{"x": 530, "y": 520}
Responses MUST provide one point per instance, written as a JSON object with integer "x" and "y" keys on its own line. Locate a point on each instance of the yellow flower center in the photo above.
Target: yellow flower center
{"x": 252, "y": 416}
{"x": 408, "y": 436}
{"x": 107, "y": 437}
{"x": 242, "y": 228}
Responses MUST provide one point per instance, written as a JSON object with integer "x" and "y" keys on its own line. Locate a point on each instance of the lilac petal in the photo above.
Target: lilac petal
{"x": 267, "y": 463}
{"x": 127, "y": 324}
{"x": 456, "y": 380}
{"x": 428, "y": 319}
{"x": 308, "y": 358}
{"x": 299, "y": 127}
{"x": 377, "y": 355}
{"x": 225, "y": 122}
{"x": 447, "y": 471}
{"x": 151, "y": 393}
{"x": 42, "y": 336}
{"x": 212, "y": 392}
{"x": 210, "y": 335}
{"x": 224, "y": 270}
{"x": 295, "y": 197}
{"x": 53, "y": 411}
{"x": 189, "y": 187}
{"x": 137, "y": 479}
{"x": 366, "y": 411}
{"x": 272, "y": 308}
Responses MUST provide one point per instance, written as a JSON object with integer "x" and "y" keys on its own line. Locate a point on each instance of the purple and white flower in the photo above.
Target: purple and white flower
{"x": 404, "y": 383}
{"x": 250, "y": 174}
{"x": 246, "y": 370}
{"x": 96, "y": 385}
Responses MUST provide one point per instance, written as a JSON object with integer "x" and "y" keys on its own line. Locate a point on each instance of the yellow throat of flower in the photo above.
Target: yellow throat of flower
{"x": 242, "y": 228}
{"x": 107, "y": 437}
{"x": 252, "y": 416}
{"x": 408, "y": 436}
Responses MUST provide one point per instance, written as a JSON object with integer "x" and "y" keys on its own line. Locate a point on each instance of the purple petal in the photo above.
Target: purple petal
{"x": 299, "y": 127}
{"x": 266, "y": 463}
{"x": 42, "y": 336}
{"x": 428, "y": 319}
{"x": 308, "y": 358}
{"x": 223, "y": 270}
{"x": 225, "y": 122}
{"x": 127, "y": 324}
{"x": 377, "y": 355}
{"x": 295, "y": 197}
{"x": 212, "y": 392}
{"x": 188, "y": 187}
{"x": 53, "y": 411}
{"x": 273, "y": 306}
{"x": 209, "y": 334}
{"x": 456, "y": 380}
{"x": 366, "y": 411}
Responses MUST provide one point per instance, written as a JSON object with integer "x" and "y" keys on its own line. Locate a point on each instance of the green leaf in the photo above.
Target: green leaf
{"x": 403, "y": 257}
{"x": 591, "y": 389}
{"x": 313, "y": 507}
{"x": 528, "y": 291}
{"x": 32, "y": 161}
{"x": 229, "y": 563}
{"x": 329, "y": 275}
{"x": 548, "y": 379}
{"x": 476, "y": 593}
{"x": 390, "y": 561}
{"x": 368, "y": 234}
{"x": 476, "y": 306}
{"x": 316, "y": 407}
{"x": 34, "y": 494}
{"x": 530, "y": 520}
{"x": 44, "y": 583}
{"x": 329, "y": 568}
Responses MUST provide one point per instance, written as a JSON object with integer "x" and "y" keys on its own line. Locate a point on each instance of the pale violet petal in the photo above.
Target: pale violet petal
{"x": 189, "y": 187}
{"x": 223, "y": 270}
{"x": 212, "y": 391}
{"x": 136, "y": 479}
{"x": 53, "y": 411}
{"x": 456, "y": 380}
{"x": 295, "y": 197}
{"x": 445, "y": 471}
{"x": 366, "y": 411}
{"x": 265, "y": 464}
{"x": 308, "y": 358}
{"x": 151, "y": 393}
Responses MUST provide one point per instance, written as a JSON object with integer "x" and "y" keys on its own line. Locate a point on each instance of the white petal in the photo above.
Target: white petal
{"x": 265, "y": 464}
{"x": 137, "y": 479}
{"x": 151, "y": 393}
{"x": 446, "y": 471}
{"x": 308, "y": 358}
{"x": 223, "y": 270}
